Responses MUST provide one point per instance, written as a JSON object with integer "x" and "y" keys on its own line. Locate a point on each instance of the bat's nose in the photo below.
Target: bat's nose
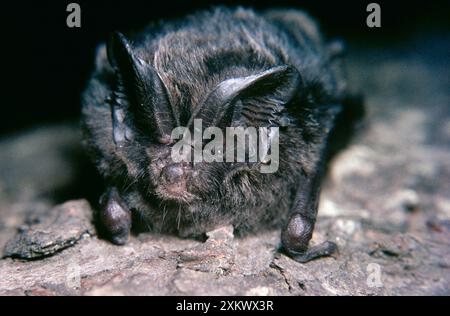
{"x": 172, "y": 173}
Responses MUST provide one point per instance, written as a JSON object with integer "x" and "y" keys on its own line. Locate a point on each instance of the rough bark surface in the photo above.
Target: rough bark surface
{"x": 385, "y": 203}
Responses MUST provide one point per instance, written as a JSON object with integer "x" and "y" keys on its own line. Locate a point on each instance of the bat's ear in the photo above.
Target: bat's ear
{"x": 116, "y": 47}
{"x": 140, "y": 81}
{"x": 258, "y": 99}
{"x": 120, "y": 55}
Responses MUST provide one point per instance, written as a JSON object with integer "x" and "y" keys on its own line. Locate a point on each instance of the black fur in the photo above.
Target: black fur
{"x": 170, "y": 72}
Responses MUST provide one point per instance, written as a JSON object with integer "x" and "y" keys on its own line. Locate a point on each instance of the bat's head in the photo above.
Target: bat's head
{"x": 228, "y": 143}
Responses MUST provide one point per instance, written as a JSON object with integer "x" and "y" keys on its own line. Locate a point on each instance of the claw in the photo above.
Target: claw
{"x": 325, "y": 249}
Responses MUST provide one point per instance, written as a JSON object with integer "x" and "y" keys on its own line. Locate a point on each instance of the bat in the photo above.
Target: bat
{"x": 228, "y": 67}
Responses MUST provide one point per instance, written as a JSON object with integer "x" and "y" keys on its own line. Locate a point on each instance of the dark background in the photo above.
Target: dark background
{"x": 46, "y": 64}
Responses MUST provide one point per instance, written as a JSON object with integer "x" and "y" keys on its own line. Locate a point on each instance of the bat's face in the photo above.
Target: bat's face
{"x": 182, "y": 181}
{"x": 201, "y": 160}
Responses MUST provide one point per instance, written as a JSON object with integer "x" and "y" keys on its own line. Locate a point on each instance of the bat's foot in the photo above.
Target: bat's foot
{"x": 296, "y": 236}
{"x": 324, "y": 249}
{"x": 115, "y": 217}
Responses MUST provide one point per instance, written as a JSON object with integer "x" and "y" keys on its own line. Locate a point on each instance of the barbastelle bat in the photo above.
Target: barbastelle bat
{"x": 228, "y": 67}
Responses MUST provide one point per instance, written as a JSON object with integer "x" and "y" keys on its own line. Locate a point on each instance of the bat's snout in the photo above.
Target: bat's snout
{"x": 173, "y": 174}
